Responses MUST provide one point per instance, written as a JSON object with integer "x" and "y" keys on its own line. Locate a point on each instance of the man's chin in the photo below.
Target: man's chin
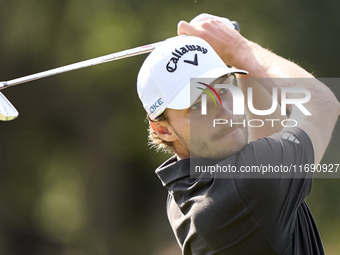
{"x": 224, "y": 147}
{"x": 234, "y": 139}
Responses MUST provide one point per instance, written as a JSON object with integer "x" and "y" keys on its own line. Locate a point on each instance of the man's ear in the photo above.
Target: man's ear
{"x": 164, "y": 131}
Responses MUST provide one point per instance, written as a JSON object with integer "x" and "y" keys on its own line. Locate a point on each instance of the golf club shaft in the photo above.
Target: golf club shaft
{"x": 79, "y": 65}
{"x": 91, "y": 62}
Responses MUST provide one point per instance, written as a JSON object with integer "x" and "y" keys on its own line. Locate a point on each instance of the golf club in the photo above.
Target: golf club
{"x": 7, "y": 110}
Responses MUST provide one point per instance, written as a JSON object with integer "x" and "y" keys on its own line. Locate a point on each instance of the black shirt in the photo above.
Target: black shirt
{"x": 245, "y": 215}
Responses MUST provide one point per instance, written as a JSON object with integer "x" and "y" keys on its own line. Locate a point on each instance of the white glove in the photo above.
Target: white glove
{"x": 205, "y": 16}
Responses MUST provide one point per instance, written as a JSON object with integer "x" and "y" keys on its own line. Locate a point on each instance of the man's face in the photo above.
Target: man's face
{"x": 197, "y": 134}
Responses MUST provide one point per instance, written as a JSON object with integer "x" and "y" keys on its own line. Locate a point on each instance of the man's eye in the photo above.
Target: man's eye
{"x": 222, "y": 91}
{"x": 196, "y": 106}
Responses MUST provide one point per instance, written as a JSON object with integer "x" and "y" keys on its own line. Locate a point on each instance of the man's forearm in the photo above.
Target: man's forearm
{"x": 271, "y": 70}
{"x": 281, "y": 73}
{"x": 262, "y": 63}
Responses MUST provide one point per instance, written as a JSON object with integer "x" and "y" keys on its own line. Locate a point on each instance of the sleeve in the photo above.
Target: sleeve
{"x": 273, "y": 202}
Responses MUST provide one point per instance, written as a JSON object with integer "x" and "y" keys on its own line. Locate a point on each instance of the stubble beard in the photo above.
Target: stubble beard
{"x": 203, "y": 148}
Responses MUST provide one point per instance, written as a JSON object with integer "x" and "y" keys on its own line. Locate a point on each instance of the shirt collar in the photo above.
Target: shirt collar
{"x": 173, "y": 169}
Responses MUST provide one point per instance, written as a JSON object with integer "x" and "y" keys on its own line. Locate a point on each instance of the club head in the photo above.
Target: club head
{"x": 7, "y": 110}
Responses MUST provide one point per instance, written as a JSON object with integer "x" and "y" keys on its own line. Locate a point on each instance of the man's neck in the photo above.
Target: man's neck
{"x": 181, "y": 151}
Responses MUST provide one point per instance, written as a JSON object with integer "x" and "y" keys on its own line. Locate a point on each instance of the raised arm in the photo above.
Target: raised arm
{"x": 237, "y": 51}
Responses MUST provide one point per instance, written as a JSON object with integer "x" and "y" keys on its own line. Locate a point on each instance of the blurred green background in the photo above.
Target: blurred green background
{"x": 77, "y": 176}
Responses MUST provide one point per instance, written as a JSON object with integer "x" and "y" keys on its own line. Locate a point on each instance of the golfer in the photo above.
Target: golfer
{"x": 233, "y": 214}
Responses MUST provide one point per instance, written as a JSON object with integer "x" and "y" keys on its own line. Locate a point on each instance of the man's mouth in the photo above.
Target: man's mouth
{"x": 224, "y": 132}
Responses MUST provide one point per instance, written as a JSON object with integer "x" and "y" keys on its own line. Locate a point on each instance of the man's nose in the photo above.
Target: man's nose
{"x": 218, "y": 111}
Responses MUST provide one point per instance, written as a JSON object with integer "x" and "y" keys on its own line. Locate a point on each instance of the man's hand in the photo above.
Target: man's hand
{"x": 226, "y": 41}
{"x": 239, "y": 52}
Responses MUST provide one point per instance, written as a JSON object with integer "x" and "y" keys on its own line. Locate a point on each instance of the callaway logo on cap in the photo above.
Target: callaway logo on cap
{"x": 178, "y": 53}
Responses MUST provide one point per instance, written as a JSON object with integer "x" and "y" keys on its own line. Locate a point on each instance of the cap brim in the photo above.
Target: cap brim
{"x": 185, "y": 98}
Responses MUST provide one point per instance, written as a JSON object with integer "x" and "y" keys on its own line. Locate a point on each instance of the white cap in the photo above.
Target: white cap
{"x": 164, "y": 78}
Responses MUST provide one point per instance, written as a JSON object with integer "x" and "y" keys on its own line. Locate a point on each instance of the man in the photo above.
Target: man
{"x": 234, "y": 214}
